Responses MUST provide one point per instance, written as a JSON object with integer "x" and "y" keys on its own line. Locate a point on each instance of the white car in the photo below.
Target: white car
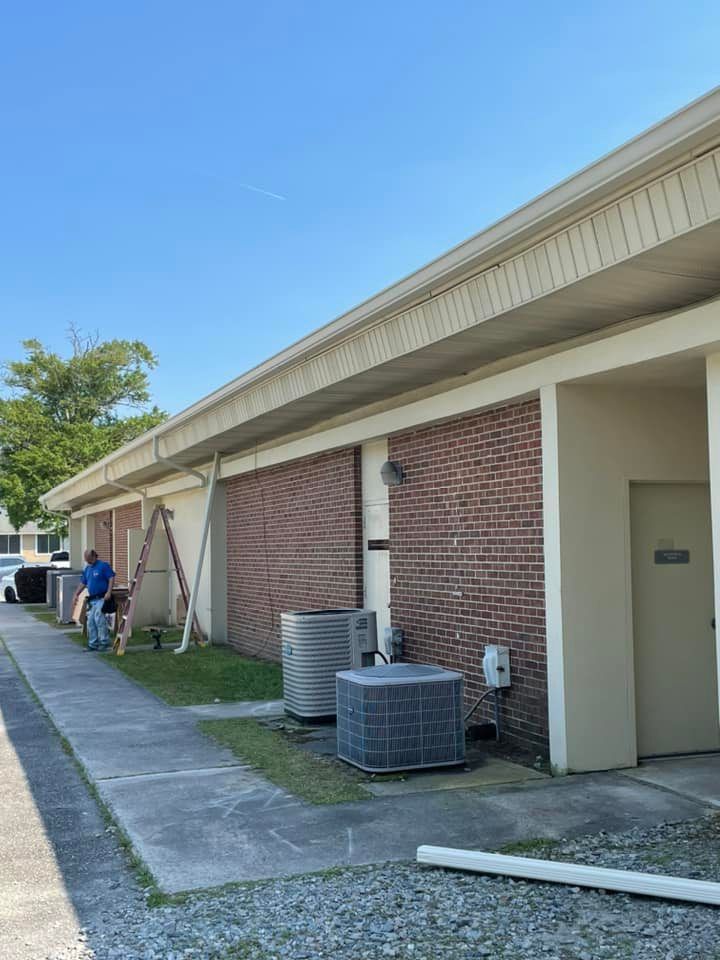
{"x": 9, "y": 565}
{"x": 60, "y": 559}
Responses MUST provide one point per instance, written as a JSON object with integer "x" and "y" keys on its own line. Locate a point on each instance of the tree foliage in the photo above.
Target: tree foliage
{"x": 61, "y": 414}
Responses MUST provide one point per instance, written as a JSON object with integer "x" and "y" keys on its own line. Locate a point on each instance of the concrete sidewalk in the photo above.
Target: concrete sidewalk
{"x": 200, "y": 818}
{"x": 61, "y": 869}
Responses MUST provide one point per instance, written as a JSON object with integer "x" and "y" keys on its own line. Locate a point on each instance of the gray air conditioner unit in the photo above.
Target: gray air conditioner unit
{"x": 51, "y": 584}
{"x": 402, "y": 716}
{"x": 315, "y": 645}
{"x": 66, "y": 587}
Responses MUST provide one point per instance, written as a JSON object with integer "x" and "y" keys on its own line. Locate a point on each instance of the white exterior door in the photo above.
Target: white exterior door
{"x": 676, "y": 693}
{"x": 376, "y": 533}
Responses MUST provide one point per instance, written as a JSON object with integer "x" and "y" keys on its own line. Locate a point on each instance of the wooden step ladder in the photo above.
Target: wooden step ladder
{"x": 126, "y": 620}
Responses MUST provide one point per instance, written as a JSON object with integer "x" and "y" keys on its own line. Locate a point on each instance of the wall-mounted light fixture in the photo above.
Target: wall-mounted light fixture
{"x": 391, "y": 473}
{"x": 105, "y": 524}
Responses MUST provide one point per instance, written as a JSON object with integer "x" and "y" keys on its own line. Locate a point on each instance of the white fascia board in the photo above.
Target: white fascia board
{"x": 667, "y": 143}
{"x": 153, "y": 492}
{"x": 670, "y": 206}
{"x": 693, "y": 328}
{"x": 573, "y": 874}
{"x": 675, "y": 140}
{"x": 111, "y": 503}
{"x": 690, "y": 329}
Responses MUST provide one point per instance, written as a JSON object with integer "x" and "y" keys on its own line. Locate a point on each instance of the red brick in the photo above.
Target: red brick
{"x": 464, "y": 522}
{"x": 104, "y": 535}
{"x": 294, "y": 541}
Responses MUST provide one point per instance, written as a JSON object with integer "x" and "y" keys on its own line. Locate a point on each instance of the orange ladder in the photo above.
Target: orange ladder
{"x": 126, "y": 620}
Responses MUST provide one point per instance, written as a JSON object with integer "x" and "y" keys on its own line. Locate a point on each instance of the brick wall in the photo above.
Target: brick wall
{"x": 294, "y": 541}
{"x": 104, "y": 535}
{"x": 466, "y": 557}
{"x": 126, "y": 518}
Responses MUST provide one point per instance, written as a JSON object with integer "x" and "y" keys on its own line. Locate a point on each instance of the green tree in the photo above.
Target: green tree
{"x": 61, "y": 414}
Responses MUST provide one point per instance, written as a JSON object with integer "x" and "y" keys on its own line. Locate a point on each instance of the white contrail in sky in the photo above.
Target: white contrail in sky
{"x": 268, "y": 193}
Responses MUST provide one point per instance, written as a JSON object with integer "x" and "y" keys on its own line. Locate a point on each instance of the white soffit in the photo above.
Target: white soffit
{"x": 622, "y": 232}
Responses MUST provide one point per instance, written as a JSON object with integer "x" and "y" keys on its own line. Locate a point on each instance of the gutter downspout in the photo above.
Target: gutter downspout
{"x": 174, "y": 464}
{"x": 192, "y": 602}
{"x": 67, "y": 516}
{"x": 123, "y": 486}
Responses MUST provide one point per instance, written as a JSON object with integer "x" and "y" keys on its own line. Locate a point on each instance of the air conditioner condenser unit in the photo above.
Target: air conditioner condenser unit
{"x": 316, "y": 644}
{"x": 66, "y": 587}
{"x": 400, "y": 716}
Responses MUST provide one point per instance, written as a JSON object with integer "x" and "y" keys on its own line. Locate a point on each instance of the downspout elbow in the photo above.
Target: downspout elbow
{"x": 158, "y": 458}
{"x": 123, "y": 486}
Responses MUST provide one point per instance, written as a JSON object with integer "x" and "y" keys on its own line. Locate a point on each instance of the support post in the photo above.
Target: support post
{"x": 712, "y": 379}
{"x": 557, "y": 708}
{"x": 190, "y": 613}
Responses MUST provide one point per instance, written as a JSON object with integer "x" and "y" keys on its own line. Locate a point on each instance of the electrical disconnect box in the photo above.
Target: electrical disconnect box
{"x": 496, "y": 665}
{"x": 393, "y": 642}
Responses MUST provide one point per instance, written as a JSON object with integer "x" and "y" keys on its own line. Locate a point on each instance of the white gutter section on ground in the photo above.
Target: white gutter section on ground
{"x": 174, "y": 464}
{"x": 626, "y": 881}
{"x": 192, "y": 602}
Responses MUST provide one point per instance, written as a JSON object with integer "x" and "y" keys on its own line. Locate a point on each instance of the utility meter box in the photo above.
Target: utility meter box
{"x": 496, "y": 665}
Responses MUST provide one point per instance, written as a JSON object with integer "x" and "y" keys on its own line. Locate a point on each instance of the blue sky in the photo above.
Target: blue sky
{"x": 391, "y": 131}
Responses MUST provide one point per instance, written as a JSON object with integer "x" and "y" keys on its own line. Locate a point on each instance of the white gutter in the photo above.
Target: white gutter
{"x": 192, "y": 602}
{"x": 674, "y": 140}
{"x": 174, "y": 464}
{"x": 576, "y": 875}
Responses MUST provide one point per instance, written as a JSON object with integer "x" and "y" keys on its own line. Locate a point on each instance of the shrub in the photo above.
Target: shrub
{"x": 30, "y": 583}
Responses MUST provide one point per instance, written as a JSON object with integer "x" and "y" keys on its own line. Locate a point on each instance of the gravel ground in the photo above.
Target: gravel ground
{"x": 406, "y": 911}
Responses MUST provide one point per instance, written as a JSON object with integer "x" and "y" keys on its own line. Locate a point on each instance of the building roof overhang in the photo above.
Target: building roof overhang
{"x": 635, "y": 233}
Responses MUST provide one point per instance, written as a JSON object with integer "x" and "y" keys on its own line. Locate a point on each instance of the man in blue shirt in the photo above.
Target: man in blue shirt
{"x": 99, "y": 578}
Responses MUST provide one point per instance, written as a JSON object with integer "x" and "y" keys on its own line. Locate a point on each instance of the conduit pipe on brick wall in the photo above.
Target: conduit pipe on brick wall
{"x": 576, "y": 875}
{"x": 192, "y": 602}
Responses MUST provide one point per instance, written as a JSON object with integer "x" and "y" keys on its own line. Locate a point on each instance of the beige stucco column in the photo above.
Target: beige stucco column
{"x": 597, "y": 441}
{"x": 712, "y": 372}
{"x": 76, "y": 534}
{"x": 557, "y": 714}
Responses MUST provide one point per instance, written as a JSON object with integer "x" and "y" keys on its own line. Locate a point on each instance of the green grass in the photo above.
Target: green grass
{"x": 308, "y": 776}
{"x": 47, "y": 616}
{"x": 171, "y": 637}
{"x": 202, "y": 675}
